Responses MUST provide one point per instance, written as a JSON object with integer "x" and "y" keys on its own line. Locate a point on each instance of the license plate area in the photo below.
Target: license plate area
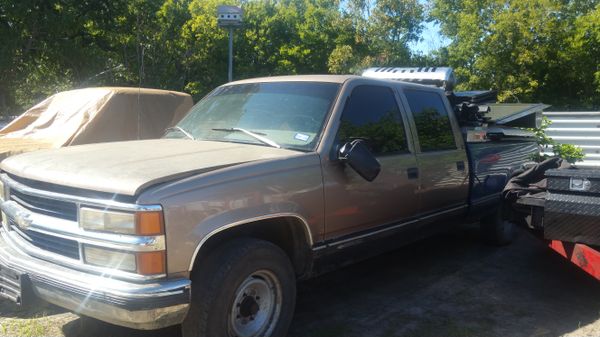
{"x": 15, "y": 287}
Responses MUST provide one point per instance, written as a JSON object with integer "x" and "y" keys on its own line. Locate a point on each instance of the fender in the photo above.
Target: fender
{"x": 247, "y": 221}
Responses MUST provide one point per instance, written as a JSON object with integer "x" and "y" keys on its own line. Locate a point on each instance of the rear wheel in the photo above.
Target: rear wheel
{"x": 245, "y": 288}
{"x": 497, "y": 228}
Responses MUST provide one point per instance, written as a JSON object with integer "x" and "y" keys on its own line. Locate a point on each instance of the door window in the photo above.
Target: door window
{"x": 431, "y": 119}
{"x": 371, "y": 113}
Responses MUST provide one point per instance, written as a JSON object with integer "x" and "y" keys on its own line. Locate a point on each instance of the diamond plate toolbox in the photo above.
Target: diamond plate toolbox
{"x": 572, "y": 209}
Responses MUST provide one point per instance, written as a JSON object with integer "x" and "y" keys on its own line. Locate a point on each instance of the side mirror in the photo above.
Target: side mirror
{"x": 360, "y": 159}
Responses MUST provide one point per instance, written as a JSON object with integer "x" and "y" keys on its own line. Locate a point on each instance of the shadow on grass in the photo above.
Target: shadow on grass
{"x": 38, "y": 309}
{"x": 89, "y": 327}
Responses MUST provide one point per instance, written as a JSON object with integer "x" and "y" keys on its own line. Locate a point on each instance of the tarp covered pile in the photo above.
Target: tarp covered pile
{"x": 94, "y": 115}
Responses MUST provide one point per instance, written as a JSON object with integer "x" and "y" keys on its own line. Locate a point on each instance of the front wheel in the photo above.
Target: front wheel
{"x": 246, "y": 288}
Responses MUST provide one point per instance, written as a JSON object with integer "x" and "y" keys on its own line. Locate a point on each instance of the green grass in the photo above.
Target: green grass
{"x": 23, "y": 327}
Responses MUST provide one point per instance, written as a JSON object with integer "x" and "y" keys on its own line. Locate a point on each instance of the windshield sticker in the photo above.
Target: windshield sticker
{"x": 302, "y": 137}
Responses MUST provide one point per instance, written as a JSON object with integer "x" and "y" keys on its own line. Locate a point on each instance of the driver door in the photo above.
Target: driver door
{"x": 353, "y": 204}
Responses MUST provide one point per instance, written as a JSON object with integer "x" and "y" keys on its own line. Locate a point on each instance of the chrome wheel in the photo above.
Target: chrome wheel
{"x": 256, "y": 306}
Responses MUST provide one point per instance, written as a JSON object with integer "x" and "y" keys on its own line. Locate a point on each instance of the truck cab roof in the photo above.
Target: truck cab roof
{"x": 332, "y": 79}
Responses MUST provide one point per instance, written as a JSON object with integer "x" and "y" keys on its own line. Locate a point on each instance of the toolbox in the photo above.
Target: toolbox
{"x": 572, "y": 207}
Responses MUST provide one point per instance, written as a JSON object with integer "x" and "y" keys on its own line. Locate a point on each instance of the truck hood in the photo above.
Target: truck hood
{"x": 128, "y": 167}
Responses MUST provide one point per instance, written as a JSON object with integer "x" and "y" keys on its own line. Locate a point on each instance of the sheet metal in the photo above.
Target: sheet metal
{"x": 577, "y": 128}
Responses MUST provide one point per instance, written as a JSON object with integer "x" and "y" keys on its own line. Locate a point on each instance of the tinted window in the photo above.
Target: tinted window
{"x": 431, "y": 119}
{"x": 371, "y": 113}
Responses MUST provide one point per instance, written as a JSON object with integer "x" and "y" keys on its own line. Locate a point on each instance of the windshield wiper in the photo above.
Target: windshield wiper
{"x": 182, "y": 130}
{"x": 254, "y": 135}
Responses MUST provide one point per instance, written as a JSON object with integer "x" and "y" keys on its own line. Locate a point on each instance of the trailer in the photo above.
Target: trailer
{"x": 560, "y": 205}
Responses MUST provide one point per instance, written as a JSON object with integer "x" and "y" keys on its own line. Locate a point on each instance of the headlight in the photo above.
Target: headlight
{"x": 109, "y": 258}
{"x": 143, "y": 223}
{"x": 144, "y": 263}
{"x": 140, "y": 223}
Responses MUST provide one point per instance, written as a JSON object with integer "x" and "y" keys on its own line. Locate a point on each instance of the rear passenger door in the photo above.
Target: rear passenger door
{"x": 441, "y": 156}
{"x": 353, "y": 204}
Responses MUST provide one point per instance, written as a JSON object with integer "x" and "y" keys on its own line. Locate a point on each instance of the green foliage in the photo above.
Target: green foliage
{"x": 541, "y": 138}
{"x": 49, "y": 46}
{"x": 570, "y": 153}
{"x": 528, "y": 50}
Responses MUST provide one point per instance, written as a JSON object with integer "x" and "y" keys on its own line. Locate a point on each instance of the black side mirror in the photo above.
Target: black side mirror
{"x": 360, "y": 159}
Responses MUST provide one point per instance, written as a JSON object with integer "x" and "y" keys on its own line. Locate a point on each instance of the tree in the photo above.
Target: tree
{"x": 583, "y": 57}
{"x": 53, "y": 45}
{"x": 383, "y": 30}
{"x": 527, "y": 50}
{"x": 49, "y": 46}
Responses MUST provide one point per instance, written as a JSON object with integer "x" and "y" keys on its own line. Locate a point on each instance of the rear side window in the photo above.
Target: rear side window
{"x": 372, "y": 114}
{"x": 431, "y": 119}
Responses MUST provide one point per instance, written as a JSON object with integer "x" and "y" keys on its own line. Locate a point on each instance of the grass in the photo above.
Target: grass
{"x": 33, "y": 327}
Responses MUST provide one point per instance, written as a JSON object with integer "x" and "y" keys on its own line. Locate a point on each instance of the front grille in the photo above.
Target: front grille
{"x": 55, "y": 208}
{"x": 51, "y": 243}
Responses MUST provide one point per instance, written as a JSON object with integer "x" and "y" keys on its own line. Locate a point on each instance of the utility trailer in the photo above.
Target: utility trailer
{"x": 561, "y": 205}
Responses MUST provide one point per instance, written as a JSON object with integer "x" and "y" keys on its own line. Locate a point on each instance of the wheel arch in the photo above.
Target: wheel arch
{"x": 288, "y": 231}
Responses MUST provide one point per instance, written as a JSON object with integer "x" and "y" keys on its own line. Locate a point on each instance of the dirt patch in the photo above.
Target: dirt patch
{"x": 449, "y": 285}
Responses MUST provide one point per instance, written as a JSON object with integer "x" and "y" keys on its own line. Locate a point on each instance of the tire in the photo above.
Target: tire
{"x": 245, "y": 288}
{"x": 496, "y": 229}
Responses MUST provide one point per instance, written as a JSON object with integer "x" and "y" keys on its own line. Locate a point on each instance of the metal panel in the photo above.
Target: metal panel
{"x": 438, "y": 76}
{"x": 577, "y": 128}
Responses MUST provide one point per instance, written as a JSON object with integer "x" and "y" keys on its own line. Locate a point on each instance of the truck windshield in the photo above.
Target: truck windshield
{"x": 280, "y": 114}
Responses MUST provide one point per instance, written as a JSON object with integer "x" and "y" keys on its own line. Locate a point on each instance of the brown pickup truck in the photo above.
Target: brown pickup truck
{"x": 264, "y": 182}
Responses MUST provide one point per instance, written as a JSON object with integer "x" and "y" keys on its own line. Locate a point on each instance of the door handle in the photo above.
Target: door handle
{"x": 460, "y": 165}
{"x": 412, "y": 172}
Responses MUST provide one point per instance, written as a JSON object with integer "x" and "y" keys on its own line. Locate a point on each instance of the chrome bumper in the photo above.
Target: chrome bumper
{"x": 151, "y": 305}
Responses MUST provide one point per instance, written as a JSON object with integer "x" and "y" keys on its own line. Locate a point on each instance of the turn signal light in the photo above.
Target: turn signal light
{"x": 151, "y": 263}
{"x": 149, "y": 223}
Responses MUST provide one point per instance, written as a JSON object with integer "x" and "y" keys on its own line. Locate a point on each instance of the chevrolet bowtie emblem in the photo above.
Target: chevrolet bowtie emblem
{"x": 22, "y": 220}
{"x": 17, "y": 214}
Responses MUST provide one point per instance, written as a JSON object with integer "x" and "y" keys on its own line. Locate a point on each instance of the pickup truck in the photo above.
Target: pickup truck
{"x": 264, "y": 182}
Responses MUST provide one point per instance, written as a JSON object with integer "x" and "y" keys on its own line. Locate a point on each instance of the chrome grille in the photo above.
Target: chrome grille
{"x": 41, "y": 220}
{"x": 51, "y": 243}
{"x": 52, "y": 207}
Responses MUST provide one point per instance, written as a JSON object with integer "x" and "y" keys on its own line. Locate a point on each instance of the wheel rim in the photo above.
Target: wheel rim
{"x": 256, "y": 306}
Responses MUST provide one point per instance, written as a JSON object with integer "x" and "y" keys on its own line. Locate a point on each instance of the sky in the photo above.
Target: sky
{"x": 431, "y": 39}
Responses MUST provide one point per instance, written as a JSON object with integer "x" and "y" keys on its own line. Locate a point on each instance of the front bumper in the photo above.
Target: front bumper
{"x": 151, "y": 305}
